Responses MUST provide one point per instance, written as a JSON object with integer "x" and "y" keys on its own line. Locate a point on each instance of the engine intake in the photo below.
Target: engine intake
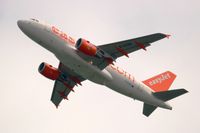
{"x": 49, "y": 71}
{"x": 86, "y": 47}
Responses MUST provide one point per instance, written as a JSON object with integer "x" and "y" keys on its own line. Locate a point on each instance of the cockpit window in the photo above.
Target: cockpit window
{"x": 34, "y": 20}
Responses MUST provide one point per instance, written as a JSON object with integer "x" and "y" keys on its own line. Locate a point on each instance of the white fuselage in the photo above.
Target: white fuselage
{"x": 62, "y": 46}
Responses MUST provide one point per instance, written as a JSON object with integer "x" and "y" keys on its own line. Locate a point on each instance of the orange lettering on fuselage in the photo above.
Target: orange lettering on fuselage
{"x": 122, "y": 72}
{"x": 63, "y": 36}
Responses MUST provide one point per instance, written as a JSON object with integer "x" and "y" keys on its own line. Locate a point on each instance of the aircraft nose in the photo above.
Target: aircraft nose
{"x": 22, "y": 24}
{"x": 27, "y": 27}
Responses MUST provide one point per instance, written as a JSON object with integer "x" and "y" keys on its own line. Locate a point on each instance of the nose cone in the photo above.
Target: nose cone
{"x": 28, "y": 27}
{"x": 22, "y": 24}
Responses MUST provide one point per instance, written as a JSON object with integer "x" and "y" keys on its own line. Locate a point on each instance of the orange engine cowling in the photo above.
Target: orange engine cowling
{"x": 86, "y": 47}
{"x": 49, "y": 71}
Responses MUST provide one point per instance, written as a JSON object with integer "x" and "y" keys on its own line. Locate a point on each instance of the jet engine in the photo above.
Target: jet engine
{"x": 49, "y": 71}
{"x": 86, "y": 47}
{"x": 90, "y": 49}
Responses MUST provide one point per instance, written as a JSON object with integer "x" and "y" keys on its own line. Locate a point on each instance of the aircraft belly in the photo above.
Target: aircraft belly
{"x": 120, "y": 84}
{"x": 70, "y": 58}
{"x": 120, "y": 87}
{"x": 144, "y": 94}
{"x": 133, "y": 89}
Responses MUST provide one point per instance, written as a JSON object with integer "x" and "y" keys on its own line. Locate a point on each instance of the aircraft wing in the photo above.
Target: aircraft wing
{"x": 122, "y": 48}
{"x": 62, "y": 88}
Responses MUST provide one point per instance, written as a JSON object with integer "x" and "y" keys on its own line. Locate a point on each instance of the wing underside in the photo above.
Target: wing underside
{"x": 110, "y": 52}
{"x": 63, "y": 87}
{"x": 122, "y": 48}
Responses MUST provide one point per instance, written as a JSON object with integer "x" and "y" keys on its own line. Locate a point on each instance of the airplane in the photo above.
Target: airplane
{"x": 81, "y": 60}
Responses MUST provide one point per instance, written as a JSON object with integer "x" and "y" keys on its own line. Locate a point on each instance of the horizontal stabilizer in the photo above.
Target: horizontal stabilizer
{"x": 168, "y": 95}
{"x": 164, "y": 96}
{"x": 148, "y": 109}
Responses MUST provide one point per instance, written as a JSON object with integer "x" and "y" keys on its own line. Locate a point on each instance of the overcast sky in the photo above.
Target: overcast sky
{"x": 25, "y": 94}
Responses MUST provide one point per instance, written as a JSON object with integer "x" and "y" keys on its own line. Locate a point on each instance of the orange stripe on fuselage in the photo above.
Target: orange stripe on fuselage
{"x": 122, "y": 72}
{"x": 63, "y": 36}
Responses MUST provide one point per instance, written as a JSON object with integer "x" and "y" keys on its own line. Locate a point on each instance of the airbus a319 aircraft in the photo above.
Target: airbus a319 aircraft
{"x": 81, "y": 60}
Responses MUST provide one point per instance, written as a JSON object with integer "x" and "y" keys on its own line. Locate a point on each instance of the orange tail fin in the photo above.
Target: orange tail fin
{"x": 161, "y": 82}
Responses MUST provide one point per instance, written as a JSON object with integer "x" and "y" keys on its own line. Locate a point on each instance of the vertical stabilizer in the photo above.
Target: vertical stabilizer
{"x": 161, "y": 82}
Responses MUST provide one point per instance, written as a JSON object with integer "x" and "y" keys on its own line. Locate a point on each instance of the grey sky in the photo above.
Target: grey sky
{"x": 24, "y": 93}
